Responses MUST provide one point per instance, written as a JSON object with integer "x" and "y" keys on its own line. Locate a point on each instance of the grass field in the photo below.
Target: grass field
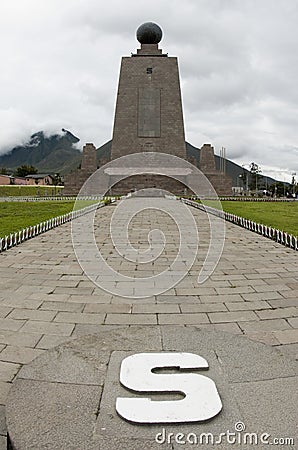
{"x": 14, "y": 216}
{"x": 30, "y": 191}
{"x": 280, "y": 215}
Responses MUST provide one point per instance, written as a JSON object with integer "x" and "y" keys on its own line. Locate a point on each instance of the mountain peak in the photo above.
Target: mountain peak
{"x": 54, "y": 153}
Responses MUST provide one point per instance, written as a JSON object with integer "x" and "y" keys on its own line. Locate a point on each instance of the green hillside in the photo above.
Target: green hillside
{"x": 53, "y": 154}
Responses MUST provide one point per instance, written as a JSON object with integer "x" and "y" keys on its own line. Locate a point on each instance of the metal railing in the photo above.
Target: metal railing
{"x": 279, "y": 236}
{"x": 25, "y": 234}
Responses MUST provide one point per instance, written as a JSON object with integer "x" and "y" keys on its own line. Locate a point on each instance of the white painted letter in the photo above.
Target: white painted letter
{"x": 201, "y": 401}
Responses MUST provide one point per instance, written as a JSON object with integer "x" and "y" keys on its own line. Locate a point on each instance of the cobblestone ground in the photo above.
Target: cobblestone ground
{"x": 45, "y": 299}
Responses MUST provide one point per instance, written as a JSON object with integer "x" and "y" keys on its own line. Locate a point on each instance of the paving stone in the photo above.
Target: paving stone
{"x": 196, "y": 291}
{"x": 283, "y": 302}
{"x": 265, "y": 325}
{"x": 218, "y": 277}
{"x": 231, "y": 327}
{"x": 8, "y": 370}
{"x": 51, "y": 298}
{"x": 293, "y": 322}
{"x": 20, "y": 355}
{"x": 155, "y": 308}
{"x": 250, "y": 408}
{"x": 4, "y": 390}
{"x": 50, "y": 341}
{"x": 254, "y": 276}
{"x": 247, "y": 306}
{"x": 277, "y": 288}
{"x": 67, "y": 317}
{"x": 290, "y": 294}
{"x": 90, "y": 299}
{"x": 190, "y": 319}
{"x": 10, "y": 324}
{"x": 221, "y": 298}
{"x": 228, "y": 327}
{"x": 3, "y": 429}
{"x": 64, "y": 329}
{"x": 32, "y": 314}
{"x": 233, "y": 357}
{"x": 289, "y": 350}
{"x": 234, "y": 290}
{"x": 202, "y": 308}
{"x": 77, "y": 404}
{"x": 3, "y": 442}
{"x": 246, "y": 282}
{"x": 73, "y": 291}
{"x": 107, "y": 308}
{"x": 115, "y": 442}
{"x": 287, "y": 336}
{"x": 82, "y": 329}
{"x": 18, "y": 338}
{"x": 62, "y": 306}
{"x": 178, "y": 299}
{"x": 261, "y": 296}
{"x": 131, "y": 319}
{"x": 234, "y": 316}
{"x": 128, "y": 300}
{"x": 264, "y": 337}
{"x": 4, "y": 310}
{"x": 278, "y": 313}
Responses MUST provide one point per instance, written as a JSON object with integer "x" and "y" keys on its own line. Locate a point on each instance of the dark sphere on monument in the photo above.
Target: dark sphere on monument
{"x": 149, "y": 33}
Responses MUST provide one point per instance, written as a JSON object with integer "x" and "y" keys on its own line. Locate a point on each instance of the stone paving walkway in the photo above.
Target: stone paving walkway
{"x": 45, "y": 299}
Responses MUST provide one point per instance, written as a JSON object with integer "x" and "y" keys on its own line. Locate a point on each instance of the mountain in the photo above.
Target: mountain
{"x": 57, "y": 154}
{"x": 53, "y": 154}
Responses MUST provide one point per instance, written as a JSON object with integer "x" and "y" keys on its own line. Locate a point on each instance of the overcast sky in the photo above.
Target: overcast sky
{"x": 238, "y": 63}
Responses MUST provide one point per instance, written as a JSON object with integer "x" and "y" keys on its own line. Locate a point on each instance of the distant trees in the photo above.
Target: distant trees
{"x": 57, "y": 180}
{"x": 255, "y": 171}
{"x": 244, "y": 178}
{"x": 278, "y": 189}
{"x": 24, "y": 170}
{"x": 3, "y": 171}
{"x": 294, "y": 185}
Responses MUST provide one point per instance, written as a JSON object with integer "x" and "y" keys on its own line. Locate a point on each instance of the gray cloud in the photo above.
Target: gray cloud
{"x": 238, "y": 64}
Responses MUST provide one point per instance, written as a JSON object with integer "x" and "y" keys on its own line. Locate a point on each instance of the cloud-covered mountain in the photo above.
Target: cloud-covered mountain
{"x": 57, "y": 154}
{"x": 53, "y": 154}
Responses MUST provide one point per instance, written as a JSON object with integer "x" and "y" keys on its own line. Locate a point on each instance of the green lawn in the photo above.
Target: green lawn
{"x": 30, "y": 191}
{"x": 280, "y": 215}
{"x": 14, "y": 216}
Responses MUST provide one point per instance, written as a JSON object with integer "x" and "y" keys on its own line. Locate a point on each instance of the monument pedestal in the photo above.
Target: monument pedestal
{"x": 65, "y": 399}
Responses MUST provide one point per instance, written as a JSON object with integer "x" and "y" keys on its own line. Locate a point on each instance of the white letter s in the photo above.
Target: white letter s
{"x": 201, "y": 401}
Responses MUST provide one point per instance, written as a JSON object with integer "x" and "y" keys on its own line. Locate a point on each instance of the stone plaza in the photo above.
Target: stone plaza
{"x": 46, "y": 300}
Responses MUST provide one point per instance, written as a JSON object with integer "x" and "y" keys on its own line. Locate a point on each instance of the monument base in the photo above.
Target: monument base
{"x": 65, "y": 399}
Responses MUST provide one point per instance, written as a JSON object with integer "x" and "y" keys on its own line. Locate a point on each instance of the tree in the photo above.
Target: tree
{"x": 277, "y": 189}
{"x": 244, "y": 178}
{"x": 24, "y": 170}
{"x": 255, "y": 170}
{"x": 294, "y": 185}
{"x": 3, "y": 171}
{"x": 57, "y": 180}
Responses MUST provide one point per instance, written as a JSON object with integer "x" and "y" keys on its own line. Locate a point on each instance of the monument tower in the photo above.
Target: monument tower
{"x": 148, "y": 118}
{"x": 148, "y": 114}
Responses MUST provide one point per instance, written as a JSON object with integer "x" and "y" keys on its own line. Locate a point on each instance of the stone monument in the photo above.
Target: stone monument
{"x": 75, "y": 180}
{"x": 149, "y": 118}
{"x": 221, "y": 182}
{"x": 148, "y": 114}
